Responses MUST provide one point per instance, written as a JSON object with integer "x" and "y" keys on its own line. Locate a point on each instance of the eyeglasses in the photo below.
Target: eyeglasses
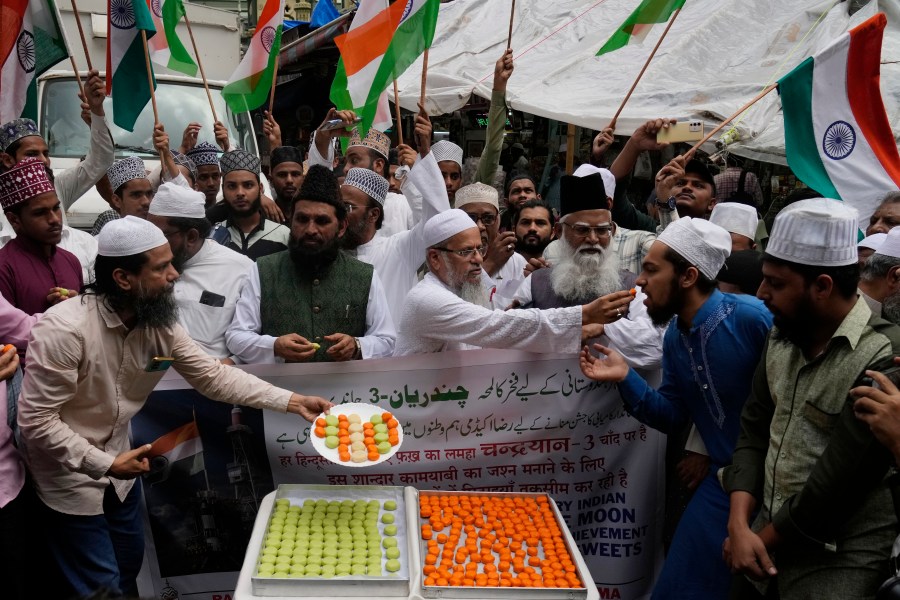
{"x": 351, "y": 207}
{"x": 465, "y": 253}
{"x": 486, "y": 218}
{"x": 582, "y": 231}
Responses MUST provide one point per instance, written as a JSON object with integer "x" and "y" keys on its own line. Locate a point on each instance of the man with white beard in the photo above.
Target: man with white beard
{"x": 879, "y": 282}
{"x": 587, "y": 267}
{"x": 446, "y": 310}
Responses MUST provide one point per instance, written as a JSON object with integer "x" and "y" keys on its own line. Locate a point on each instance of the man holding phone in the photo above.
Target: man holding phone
{"x": 684, "y": 188}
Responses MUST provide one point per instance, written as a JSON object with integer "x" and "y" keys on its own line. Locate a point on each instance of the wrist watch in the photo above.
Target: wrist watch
{"x": 666, "y": 204}
{"x": 358, "y": 354}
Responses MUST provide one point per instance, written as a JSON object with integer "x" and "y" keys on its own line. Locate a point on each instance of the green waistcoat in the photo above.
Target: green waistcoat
{"x": 313, "y": 305}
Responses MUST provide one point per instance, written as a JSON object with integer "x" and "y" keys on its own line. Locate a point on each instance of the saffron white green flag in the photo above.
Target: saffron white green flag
{"x": 166, "y": 49}
{"x": 838, "y": 139}
{"x": 31, "y": 41}
{"x": 127, "y": 80}
{"x": 377, "y": 50}
{"x": 249, "y": 85}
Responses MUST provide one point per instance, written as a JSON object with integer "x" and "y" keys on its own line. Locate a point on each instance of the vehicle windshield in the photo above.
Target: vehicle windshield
{"x": 178, "y": 103}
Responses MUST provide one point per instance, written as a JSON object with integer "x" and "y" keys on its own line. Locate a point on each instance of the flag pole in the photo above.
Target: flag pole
{"x": 200, "y": 64}
{"x": 397, "y": 110}
{"x": 612, "y": 123}
{"x": 512, "y": 14}
{"x": 737, "y": 113}
{"x": 78, "y": 77}
{"x": 274, "y": 81}
{"x": 150, "y": 78}
{"x": 84, "y": 46}
{"x": 424, "y": 76}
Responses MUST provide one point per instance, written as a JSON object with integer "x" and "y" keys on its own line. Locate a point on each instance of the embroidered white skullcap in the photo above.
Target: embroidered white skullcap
{"x": 609, "y": 180}
{"x": 875, "y": 241}
{"x": 818, "y": 231}
{"x": 445, "y": 225}
{"x": 123, "y": 171}
{"x": 703, "y": 244}
{"x": 370, "y": 182}
{"x": 173, "y": 200}
{"x": 477, "y": 192}
{"x": 128, "y": 236}
{"x": 735, "y": 217}
{"x": 890, "y": 245}
{"x": 444, "y": 150}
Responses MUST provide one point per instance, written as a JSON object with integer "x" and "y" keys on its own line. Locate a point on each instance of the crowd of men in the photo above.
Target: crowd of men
{"x": 770, "y": 345}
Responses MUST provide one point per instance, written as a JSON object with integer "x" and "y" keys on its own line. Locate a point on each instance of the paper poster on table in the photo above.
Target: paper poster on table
{"x": 498, "y": 421}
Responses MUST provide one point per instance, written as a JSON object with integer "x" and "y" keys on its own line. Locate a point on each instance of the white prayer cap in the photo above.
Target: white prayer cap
{"x": 129, "y": 236}
{"x": 874, "y": 242}
{"x": 173, "y": 200}
{"x": 818, "y": 231}
{"x": 444, "y": 150}
{"x": 890, "y": 245}
{"x": 477, "y": 192}
{"x": 735, "y": 217}
{"x": 370, "y": 182}
{"x": 445, "y": 225}
{"x": 703, "y": 244}
{"x": 609, "y": 180}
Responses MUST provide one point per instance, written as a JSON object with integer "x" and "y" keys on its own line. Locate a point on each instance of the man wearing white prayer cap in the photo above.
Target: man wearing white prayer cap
{"x": 711, "y": 349}
{"x": 449, "y": 158}
{"x": 740, "y": 220}
{"x": 813, "y": 471}
{"x": 879, "y": 278}
{"x": 446, "y": 310}
{"x": 92, "y": 362}
{"x": 207, "y": 291}
{"x": 398, "y": 257}
{"x": 867, "y": 246}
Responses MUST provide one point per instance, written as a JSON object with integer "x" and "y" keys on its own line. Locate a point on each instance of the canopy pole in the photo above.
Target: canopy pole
{"x": 721, "y": 125}
{"x": 512, "y": 14}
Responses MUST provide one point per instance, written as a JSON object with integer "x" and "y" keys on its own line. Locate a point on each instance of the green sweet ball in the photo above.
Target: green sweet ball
{"x": 329, "y": 551}
{"x": 390, "y": 530}
{"x": 359, "y": 559}
{"x": 387, "y": 518}
{"x": 331, "y": 442}
{"x": 383, "y": 447}
{"x": 280, "y": 575}
{"x": 283, "y": 502}
{"x": 267, "y": 559}
{"x": 342, "y": 570}
{"x": 313, "y": 570}
{"x": 358, "y": 570}
{"x": 389, "y": 542}
{"x": 373, "y": 504}
{"x": 329, "y": 561}
{"x": 298, "y": 560}
{"x": 392, "y": 566}
{"x": 376, "y": 419}
{"x": 294, "y": 509}
{"x": 374, "y": 570}
{"x": 381, "y": 438}
{"x": 265, "y": 571}
{"x": 390, "y": 505}
{"x": 392, "y": 552}
{"x": 380, "y": 428}
{"x": 282, "y": 567}
{"x": 332, "y": 420}
{"x": 331, "y": 431}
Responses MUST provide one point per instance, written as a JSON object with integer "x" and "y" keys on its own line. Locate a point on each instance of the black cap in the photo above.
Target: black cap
{"x": 702, "y": 170}
{"x": 283, "y": 154}
{"x": 743, "y": 269}
{"x": 582, "y": 193}
{"x": 320, "y": 185}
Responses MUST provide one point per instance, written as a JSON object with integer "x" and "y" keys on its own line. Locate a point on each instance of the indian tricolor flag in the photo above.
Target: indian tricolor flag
{"x": 382, "y": 42}
{"x": 182, "y": 444}
{"x": 127, "y": 80}
{"x": 838, "y": 139}
{"x": 640, "y": 22}
{"x": 165, "y": 47}
{"x": 249, "y": 85}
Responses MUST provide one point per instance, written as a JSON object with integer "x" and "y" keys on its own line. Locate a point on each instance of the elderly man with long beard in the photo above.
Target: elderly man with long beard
{"x": 587, "y": 267}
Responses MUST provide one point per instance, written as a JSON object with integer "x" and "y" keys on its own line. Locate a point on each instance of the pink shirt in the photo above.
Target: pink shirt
{"x": 14, "y": 329}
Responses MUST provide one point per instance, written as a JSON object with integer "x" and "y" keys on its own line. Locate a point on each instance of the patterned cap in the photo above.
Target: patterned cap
{"x": 445, "y": 150}
{"x": 477, "y": 192}
{"x": 123, "y": 171}
{"x": 369, "y": 182}
{"x": 703, "y": 244}
{"x": 375, "y": 140}
{"x": 128, "y": 236}
{"x": 15, "y": 130}
{"x": 239, "y": 160}
{"x": 205, "y": 153}
{"x": 26, "y": 179}
{"x": 819, "y": 232}
{"x": 182, "y": 160}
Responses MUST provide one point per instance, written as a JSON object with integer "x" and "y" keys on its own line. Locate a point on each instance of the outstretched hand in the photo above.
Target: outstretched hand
{"x": 611, "y": 367}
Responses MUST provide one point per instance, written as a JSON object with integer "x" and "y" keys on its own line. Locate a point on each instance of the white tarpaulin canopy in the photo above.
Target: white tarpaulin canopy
{"x": 718, "y": 55}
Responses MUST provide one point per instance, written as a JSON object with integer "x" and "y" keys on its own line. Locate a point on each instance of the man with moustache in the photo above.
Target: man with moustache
{"x": 533, "y": 224}
{"x": 886, "y": 215}
{"x": 34, "y": 272}
{"x": 710, "y": 352}
{"x": 812, "y": 473}
{"x": 684, "y": 189}
{"x": 247, "y": 230}
{"x": 448, "y": 309}
{"x": 131, "y": 192}
{"x": 312, "y": 303}
{"x": 92, "y": 362}
{"x": 879, "y": 280}
{"x": 286, "y": 175}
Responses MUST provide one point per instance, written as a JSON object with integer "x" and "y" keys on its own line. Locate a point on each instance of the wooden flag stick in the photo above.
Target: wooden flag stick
{"x": 84, "y": 46}
{"x": 150, "y": 78}
{"x": 274, "y": 81}
{"x": 77, "y": 77}
{"x": 212, "y": 107}
{"x": 612, "y": 123}
{"x": 424, "y": 76}
{"x": 512, "y": 14}
{"x": 737, "y": 113}
{"x": 397, "y": 110}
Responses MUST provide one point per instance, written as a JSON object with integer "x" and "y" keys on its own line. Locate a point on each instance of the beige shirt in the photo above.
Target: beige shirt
{"x": 87, "y": 378}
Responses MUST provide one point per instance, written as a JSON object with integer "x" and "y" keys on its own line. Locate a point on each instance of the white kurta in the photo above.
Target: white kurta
{"x": 211, "y": 277}
{"x": 435, "y": 320}
{"x": 507, "y": 280}
{"x": 249, "y": 344}
{"x": 397, "y": 258}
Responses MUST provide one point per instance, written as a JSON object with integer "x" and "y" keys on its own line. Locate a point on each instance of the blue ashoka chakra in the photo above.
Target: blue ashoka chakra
{"x": 121, "y": 14}
{"x": 407, "y": 10}
{"x": 156, "y": 7}
{"x": 25, "y": 51}
{"x": 839, "y": 140}
{"x": 267, "y": 37}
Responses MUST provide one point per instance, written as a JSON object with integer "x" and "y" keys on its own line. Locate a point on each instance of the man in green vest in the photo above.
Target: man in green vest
{"x": 312, "y": 302}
